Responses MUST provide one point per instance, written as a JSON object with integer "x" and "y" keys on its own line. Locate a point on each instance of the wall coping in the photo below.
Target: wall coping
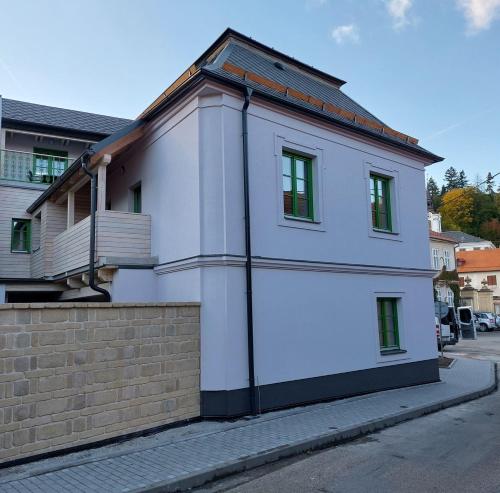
{"x": 38, "y": 306}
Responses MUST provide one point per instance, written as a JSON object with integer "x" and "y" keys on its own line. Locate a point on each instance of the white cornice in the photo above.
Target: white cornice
{"x": 289, "y": 264}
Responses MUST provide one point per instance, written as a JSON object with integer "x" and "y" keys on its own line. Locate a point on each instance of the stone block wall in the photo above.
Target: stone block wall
{"x": 75, "y": 373}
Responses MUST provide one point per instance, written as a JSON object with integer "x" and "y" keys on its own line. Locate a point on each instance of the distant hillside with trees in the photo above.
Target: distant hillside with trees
{"x": 473, "y": 208}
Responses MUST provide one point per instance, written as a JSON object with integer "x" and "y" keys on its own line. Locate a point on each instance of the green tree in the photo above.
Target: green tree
{"x": 451, "y": 179}
{"x": 484, "y": 210}
{"x": 433, "y": 194}
{"x": 462, "y": 180}
{"x": 490, "y": 184}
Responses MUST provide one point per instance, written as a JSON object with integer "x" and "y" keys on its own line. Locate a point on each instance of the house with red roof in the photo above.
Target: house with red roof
{"x": 482, "y": 269}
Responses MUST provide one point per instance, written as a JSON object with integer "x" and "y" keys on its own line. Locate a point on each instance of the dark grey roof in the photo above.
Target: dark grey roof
{"x": 49, "y": 116}
{"x": 461, "y": 237}
{"x": 264, "y": 65}
{"x": 260, "y": 64}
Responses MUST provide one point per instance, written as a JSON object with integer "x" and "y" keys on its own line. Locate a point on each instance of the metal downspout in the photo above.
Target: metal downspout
{"x": 93, "y": 208}
{"x": 248, "y": 253}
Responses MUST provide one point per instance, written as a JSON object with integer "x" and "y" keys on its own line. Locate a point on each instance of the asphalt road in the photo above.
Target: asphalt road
{"x": 454, "y": 450}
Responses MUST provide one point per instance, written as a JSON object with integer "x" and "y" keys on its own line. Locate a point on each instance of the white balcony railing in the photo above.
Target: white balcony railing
{"x": 30, "y": 167}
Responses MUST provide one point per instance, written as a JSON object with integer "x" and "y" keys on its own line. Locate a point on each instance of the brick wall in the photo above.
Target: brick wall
{"x": 75, "y": 373}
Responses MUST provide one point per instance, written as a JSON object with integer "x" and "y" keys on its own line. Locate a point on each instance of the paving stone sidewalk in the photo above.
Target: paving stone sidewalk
{"x": 185, "y": 457}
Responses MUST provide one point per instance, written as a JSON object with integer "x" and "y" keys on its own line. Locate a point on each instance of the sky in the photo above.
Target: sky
{"x": 428, "y": 68}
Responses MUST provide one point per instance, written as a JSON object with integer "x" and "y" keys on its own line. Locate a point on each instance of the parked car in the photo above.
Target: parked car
{"x": 486, "y": 321}
{"x": 497, "y": 321}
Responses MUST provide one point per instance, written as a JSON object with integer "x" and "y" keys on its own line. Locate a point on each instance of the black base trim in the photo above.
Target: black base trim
{"x": 232, "y": 403}
{"x": 97, "y": 444}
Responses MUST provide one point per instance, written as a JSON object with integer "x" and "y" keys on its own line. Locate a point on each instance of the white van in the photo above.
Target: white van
{"x": 454, "y": 323}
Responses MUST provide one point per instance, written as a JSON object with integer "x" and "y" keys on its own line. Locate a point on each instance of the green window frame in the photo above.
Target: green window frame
{"x": 48, "y": 164}
{"x": 380, "y": 199}
{"x": 297, "y": 179}
{"x": 388, "y": 323}
{"x": 20, "y": 238}
{"x": 137, "y": 199}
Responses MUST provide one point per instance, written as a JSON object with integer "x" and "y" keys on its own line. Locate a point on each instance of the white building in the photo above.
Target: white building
{"x": 442, "y": 249}
{"x": 335, "y": 298}
{"x": 466, "y": 242}
{"x": 482, "y": 269}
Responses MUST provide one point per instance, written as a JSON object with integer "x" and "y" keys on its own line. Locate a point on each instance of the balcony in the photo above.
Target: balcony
{"x": 32, "y": 168}
{"x": 121, "y": 238}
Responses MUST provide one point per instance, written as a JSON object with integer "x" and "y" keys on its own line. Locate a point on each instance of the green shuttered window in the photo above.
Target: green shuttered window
{"x": 297, "y": 186}
{"x": 380, "y": 192}
{"x": 387, "y": 311}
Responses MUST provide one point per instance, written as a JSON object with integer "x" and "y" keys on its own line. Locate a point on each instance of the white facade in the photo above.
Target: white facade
{"x": 311, "y": 280}
{"x": 434, "y": 219}
{"x": 476, "y": 245}
{"x": 477, "y": 279}
{"x": 442, "y": 254}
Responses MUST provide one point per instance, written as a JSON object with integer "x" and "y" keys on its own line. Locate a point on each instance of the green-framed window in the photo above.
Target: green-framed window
{"x": 137, "y": 199}
{"x": 380, "y": 193}
{"x": 49, "y": 163}
{"x": 20, "y": 240}
{"x": 298, "y": 200}
{"x": 388, "y": 326}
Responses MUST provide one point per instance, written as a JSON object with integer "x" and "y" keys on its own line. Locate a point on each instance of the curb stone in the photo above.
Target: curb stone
{"x": 319, "y": 442}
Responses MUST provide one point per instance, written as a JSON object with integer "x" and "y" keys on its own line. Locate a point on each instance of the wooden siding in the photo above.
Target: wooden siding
{"x": 53, "y": 223}
{"x": 71, "y": 248}
{"x": 36, "y": 252}
{"x": 82, "y": 203}
{"x": 37, "y": 264}
{"x": 123, "y": 234}
{"x": 119, "y": 234}
{"x": 14, "y": 202}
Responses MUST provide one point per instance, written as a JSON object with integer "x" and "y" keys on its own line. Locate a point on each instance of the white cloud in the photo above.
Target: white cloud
{"x": 479, "y": 13}
{"x": 349, "y": 32}
{"x": 398, "y": 10}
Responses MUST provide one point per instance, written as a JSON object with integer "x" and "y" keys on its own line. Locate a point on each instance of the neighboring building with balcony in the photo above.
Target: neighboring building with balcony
{"x": 250, "y": 148}
{"x": 37, "y": 144}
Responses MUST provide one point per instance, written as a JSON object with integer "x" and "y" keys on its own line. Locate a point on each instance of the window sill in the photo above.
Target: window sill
{"x": 391, "y": 352}
{"x": 301, "y": 219}
{"x": 385, "y": 231}
{"x": 384, "y": 234}
{"x": 19, "y": 251}
{"x": 300, "y": 223}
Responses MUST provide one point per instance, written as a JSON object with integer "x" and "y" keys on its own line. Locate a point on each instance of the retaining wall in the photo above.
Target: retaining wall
{"x": 75, "y": 373}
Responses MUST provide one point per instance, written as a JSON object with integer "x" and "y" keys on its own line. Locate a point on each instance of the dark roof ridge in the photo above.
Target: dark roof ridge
{"x": 23, "y": 114}
{"x": 232, "y": 33}
{"x": 66, "y": 109}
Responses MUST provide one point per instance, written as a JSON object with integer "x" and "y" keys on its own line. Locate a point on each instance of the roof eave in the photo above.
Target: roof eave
{"x": 429, "y": 156}
{"x": 75, "y": 166}
{"x": 12, "y": 124}
{"x": 101, "y": 146}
